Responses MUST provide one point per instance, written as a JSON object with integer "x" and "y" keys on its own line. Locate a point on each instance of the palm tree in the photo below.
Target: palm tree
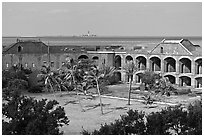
{"x": 50, "y": 79}
{"x": 130, "y": 70}
{"x": 99, "y": 76}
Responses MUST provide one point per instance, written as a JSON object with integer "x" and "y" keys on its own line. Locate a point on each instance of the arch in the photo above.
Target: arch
{"x": 198, "y": 82}
{"x": 95, "y": 58}
{"x": 185, "y": 57}
{"x": 197, "y": 58}
{"x": 118, "y": 62}
{"x": 184, "y": 65}
{"x": 184, "y": 81}
{"x": 155, "y": 63}
{"x": 117, "y": 76}
{"x": 198, "y": 66}
{"x": 142, "y": 55}
{"x": 171, "y": 78}
{"x": 154, "y": 56}
{"x": 128, "y": 58}
{"x": 83, "y": 57}
{"x": 169, "y": 64}
{"x": 141, "y": 62}
{"x": 138, "y": 78}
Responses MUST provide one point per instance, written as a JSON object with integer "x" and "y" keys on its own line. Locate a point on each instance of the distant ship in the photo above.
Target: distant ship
{"x": 86, "y": 35}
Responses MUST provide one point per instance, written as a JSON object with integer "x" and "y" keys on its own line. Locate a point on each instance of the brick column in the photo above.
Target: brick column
{"x": 123, "y": 76}
{"x": 162, "y": 66}
{"x": 193, "y": 67}
{"x": 193, "y": 82}
{"x": 177, "y": 80}
{"x": 148, "y": 64}
{"x": 177, "y": 66}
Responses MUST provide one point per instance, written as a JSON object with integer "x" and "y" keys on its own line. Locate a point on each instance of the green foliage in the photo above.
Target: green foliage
{"x": 15, "y": 85}
{"x": 26, "y": 116}
{"x": 36, "y": 89}
{"x": 132, "y": 123}
{"x": 149, "y": 78}
{"x": 172, "y": 120}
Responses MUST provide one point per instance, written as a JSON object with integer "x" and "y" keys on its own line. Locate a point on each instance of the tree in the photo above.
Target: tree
{"x": 50, "y": 79}
{"x": 130, "y": 69}
{"x": 100, "y": 76}
{"x": 26, "y": 116}
{"x": 149, "y": 78}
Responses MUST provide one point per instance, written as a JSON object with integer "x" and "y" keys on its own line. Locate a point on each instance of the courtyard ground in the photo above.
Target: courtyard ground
{"x": 92, "y": 118}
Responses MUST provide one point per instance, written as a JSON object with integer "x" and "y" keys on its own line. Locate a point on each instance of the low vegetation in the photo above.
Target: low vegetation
{"x": 26, "y": 116}
{"x": 172, "y": 120}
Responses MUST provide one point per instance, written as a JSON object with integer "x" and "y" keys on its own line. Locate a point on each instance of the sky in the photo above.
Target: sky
{"x": 102, "y": 19}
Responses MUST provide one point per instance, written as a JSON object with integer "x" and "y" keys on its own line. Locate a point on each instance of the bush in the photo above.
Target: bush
{"x": 26, "y": 116}
{"x": 172, "y": 120}
{"x": 36, "y": 89}
{"x": 182, "y": 91}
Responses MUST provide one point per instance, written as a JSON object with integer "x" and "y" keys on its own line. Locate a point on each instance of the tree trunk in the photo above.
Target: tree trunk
{"x": 97, "y": 84}
{"x": 77, "y": 92}
{"x": 51, "y": 87}
{"x": 129, "y": 93}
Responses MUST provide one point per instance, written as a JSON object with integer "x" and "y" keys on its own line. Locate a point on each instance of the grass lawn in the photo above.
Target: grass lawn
{"x": 92, "y": 118}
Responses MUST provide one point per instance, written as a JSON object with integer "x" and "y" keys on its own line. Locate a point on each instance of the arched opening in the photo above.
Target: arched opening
{"x": 184, "y": 81}
{"x": 128, "y": 59}
{"x": 198, "y": 66}
{"x": 169, "y": 64}
{"x": 19, "y": 48}
{"x": 171, "y": 79}
{"x": 129, "y": 77}
{"x": 155, "y": 64}
{"x": 117, "y": 62}
{"x": 83, "y": 57}
{"x": 198, "y": 82}
{"x": 185, "y": 65}
{"x": 117, "y": 76}
{"x": 162, "y": 50}
{"x": 141, "y": 63}
{"x": 95, "y": 57}
{"x": 138, "y": 78}
{"x": 96, "y": 60}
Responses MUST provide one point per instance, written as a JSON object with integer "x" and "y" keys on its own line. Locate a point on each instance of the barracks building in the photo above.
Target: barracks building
{"x": 178, "y": 60}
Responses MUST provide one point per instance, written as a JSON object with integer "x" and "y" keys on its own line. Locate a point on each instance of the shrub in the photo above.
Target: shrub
{"x": 182, "y": 91}
{"x": 26, "y": 116}
{"x": 132, "y": 123}
{"x": 172, "y": 120}
{"x": 36, "y": 89}
{"x": 18, "y": 84}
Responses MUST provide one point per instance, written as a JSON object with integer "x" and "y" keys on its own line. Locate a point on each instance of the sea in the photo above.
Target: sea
{"x": 99, "y": 41}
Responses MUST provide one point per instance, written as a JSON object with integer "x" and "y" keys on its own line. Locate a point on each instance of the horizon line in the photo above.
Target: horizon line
{"x": 96, "y": 36}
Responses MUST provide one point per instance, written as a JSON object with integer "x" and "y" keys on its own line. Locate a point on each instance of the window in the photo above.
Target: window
{"x": 52, "y": 63}
{"x": 19, "y": 48}
{"x": 26, "y": 65}
{"x": 162, "y": 50}
{"x": 33, "y": 65}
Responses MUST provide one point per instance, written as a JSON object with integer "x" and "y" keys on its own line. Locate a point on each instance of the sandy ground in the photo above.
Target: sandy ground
{"x": 92, "y": 118}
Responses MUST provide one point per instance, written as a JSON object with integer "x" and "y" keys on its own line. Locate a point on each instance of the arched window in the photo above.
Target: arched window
{"x": 19, "y": 48}
{"x": 162, "y": 50}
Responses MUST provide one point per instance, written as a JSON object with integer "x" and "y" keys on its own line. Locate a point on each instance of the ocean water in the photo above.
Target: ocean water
{"x": 104, "y": 41}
